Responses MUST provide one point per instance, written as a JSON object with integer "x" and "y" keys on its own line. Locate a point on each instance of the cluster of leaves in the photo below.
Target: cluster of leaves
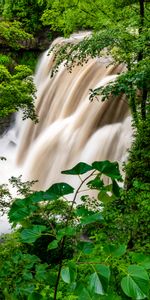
{"x": 131, "y": 84}
{"x": 28, "y": 12}
{"x": 17, "y": 91}
{"x": 65, "y": 250}
{"x": 68, "y": 17}
{"x": 12, "y": 35}
{"x": 20, "y": 188}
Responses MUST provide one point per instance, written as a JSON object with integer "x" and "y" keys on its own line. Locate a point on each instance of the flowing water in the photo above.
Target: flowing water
{"x": 70, "y": 128}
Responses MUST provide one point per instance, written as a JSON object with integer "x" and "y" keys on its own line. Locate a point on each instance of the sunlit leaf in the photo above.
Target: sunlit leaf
{"x": 111, "y": 169}
{"x": 114, "y": 250}
{"x": 136, "y": 283}
{"x": 58, "y": 190}
{"x": 53, "y": 245}
{"x": 30, "y": 235}
{"x": 95, "y": 284}
{"x": 80, "y": 168}
{"x": 98, "y": 281}
{"x": 65, "y": 275}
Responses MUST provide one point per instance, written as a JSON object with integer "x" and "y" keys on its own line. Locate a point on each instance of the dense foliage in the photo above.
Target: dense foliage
{"x": 100, "y": 248}
{"x": 68, "y": 251}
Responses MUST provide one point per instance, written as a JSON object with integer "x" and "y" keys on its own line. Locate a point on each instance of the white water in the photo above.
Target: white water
{"x": 70, "y": 128}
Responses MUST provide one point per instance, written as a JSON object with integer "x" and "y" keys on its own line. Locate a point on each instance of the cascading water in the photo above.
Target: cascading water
{"x": 70, "y": 128}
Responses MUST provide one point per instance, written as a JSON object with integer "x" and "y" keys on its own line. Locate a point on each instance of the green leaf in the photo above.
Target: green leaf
{"x": 69, "y": 273}
{"x": 111, "y": 169}
{"x": 67, "y": 231}
{"x": 78, "y": 169}
{"x": 82, "y": 292}
{"x": 142, "y": 260}
{"x": 20, "y": 209}
{"x": 36, "y": 197}
{"x": 58, "y": 190}
{"x": 53, "y": 245}
{"x": 104, "y": 275}
{"x": 104, "y": 197}
{"x": 86, "y": 247}
{"x": 82, "y": 211}
{"x": 114, "y": 250}
{"x": 73, "y": 271}
{"x": 96, "y": 217}
{"x": 95, "y": 284}
{"x": 96, "y": 183}
{"x": 65, "y": 274}
{"x": 136, "y": 283}
{"x": 116, "y": 188}
{"x": 30, "y": 235}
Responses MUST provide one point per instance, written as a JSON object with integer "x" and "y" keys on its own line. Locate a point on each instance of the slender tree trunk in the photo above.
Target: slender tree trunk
{"x": 141, "y": 3}
{"x": 140, "y": 57}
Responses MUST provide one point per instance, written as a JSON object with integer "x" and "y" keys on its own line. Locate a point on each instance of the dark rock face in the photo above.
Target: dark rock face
{"x": 5, "y": 123}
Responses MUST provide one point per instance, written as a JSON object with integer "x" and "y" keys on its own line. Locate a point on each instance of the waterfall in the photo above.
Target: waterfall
{"x": 70, "y": 128}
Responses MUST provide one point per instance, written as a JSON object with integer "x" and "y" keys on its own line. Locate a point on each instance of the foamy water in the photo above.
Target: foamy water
{"x": 70, "y": 128}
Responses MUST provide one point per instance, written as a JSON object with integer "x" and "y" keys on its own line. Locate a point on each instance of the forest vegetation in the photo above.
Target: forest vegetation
{"x": 99, "y": 249}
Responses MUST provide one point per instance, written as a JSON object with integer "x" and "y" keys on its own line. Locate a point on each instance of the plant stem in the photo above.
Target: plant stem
{"x": 64, "y": 238}
{"x": 59, "y": 270}
{"x": 141, "y": 3}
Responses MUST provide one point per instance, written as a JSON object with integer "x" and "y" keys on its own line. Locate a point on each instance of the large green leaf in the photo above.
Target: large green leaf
{"x": 78, "y": 169}
{"x": 136, "y": 283}
{"x": 65, "y": 274}
{"x": 20, "y": 209}
{"x": 36, "y": 197}
{"x": 86, "y": 247}
{"x": 114, "y": 250}
{"x": 98, "y": 281}
{"x": 142, "y": 259}
{"x": 104, "y": 275}
{"x": 58, "y": 190}
{"x": 111, "y": 169}
{"x": 95, "y": 284}
{"x": 30, "y": 235}
{"x": 68, "y": 273}
{"x": 95, "y": 217}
